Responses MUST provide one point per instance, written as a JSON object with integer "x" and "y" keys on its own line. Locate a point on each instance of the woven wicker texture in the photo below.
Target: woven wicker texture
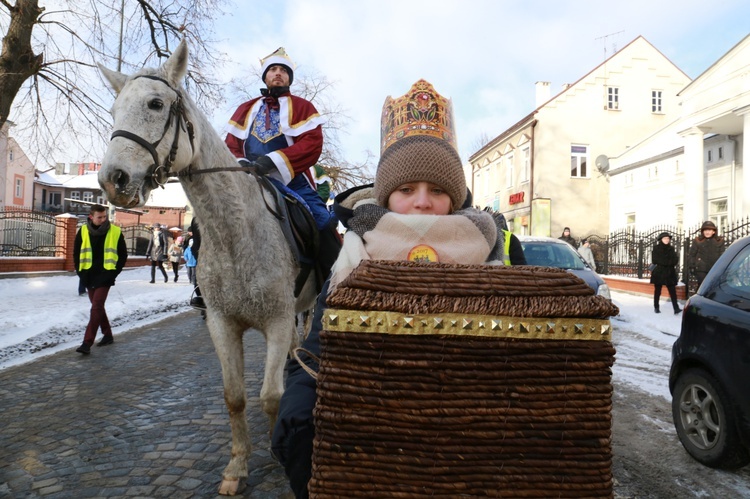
{"x": 419, "y": 288}
{"x": 444, "y": 416}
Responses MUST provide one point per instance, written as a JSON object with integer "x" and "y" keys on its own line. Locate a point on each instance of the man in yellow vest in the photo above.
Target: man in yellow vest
{"x": 99, "y": 253}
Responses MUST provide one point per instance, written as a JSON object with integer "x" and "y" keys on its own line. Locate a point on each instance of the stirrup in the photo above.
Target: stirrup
{"x": 196, "y": 301}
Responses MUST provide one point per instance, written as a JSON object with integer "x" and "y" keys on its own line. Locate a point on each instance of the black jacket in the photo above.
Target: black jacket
{"x": 704, "y": 252}
{"x": 665, "y": 258}
{"x": 96, "y": 276}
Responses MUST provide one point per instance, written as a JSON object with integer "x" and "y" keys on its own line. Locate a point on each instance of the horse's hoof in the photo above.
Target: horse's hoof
{"x": 231, "y": 487}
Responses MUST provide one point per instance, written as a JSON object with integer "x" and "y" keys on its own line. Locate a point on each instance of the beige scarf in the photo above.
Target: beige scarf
{"x": 466, "y": 237}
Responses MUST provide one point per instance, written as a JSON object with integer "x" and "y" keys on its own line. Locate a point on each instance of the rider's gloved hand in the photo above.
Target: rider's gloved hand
{"x": 264, "y": 165}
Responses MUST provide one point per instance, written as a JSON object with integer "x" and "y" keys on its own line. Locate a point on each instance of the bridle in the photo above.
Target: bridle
{"x": 160, "y": 172}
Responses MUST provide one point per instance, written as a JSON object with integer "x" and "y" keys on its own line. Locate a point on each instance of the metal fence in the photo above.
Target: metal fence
{"x": 628, "y": 252}
{"x": 33, "y": 234}
{"x": 28, "y": 233}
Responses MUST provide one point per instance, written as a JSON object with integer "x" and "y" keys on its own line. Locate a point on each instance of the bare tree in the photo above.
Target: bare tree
{"x": 478, "y": 143}
{"x": 320, "y": 91}
{"x": 49, "y": 85}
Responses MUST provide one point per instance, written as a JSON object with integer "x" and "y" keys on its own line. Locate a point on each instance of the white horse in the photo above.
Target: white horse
{"x": 246, "y": 269}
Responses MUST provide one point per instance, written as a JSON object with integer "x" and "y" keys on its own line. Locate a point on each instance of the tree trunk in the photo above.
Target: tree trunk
{"x": 17, "y": 60}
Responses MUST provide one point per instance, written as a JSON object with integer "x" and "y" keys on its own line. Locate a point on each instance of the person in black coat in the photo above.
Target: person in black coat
{"x": 665, "y": 258}
{"x": 705, "y": 250}
{"x": 95, "y": 241}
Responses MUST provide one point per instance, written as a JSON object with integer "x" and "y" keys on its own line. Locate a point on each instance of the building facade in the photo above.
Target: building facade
{"x": 691, "y": 170}
{"x": 16, "y": 173}
{"x": 549, "y": 170}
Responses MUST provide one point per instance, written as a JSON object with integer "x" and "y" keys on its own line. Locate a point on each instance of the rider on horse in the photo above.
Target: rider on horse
{"x": 282, "y": 135}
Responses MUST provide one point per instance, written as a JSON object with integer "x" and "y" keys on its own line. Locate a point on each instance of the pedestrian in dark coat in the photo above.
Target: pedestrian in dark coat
{"x": 705, "y": 250}
{"x": 99, "y": 255}
{"x": 664, "y": 257}
{"x": 568, "y": 238}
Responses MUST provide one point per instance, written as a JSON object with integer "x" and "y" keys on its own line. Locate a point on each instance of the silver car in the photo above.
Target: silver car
{"x": 551, "y": 252}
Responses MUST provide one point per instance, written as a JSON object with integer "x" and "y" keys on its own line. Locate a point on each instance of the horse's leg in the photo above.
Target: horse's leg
{"x": 279, "y": 338}
{"x": 227, "y": 338}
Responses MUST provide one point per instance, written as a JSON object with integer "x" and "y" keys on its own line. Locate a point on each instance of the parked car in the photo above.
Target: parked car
{"x": 551, "y": 252}
{"x": 711, "y": 365}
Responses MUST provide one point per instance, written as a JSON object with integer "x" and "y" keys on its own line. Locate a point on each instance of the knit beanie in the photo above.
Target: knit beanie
{"x": 420, "y": 158}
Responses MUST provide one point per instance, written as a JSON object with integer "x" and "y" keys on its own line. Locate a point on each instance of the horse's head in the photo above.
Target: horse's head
{"x": 153, "y": 136}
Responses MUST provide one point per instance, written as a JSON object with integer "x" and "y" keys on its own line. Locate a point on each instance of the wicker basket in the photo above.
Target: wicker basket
{"x": 463, "y": 381}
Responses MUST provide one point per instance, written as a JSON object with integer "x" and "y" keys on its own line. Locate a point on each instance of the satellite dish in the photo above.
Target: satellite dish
{"x": 602, "y": 163}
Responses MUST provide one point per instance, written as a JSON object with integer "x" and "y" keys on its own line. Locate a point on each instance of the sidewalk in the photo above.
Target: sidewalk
{"x": 144, "y": 417}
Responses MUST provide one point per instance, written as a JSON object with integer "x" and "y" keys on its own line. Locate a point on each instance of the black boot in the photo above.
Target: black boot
{"x": 656, "y": 310}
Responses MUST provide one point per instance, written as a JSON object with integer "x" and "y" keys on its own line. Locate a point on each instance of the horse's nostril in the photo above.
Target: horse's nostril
{"x": 121, "y": 180}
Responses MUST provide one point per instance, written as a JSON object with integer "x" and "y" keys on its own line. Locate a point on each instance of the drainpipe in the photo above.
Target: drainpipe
{"x": 531, "y": 175}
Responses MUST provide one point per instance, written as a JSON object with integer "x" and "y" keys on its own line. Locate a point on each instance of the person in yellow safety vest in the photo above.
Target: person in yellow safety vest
{"x": 99, "y": 254}
{"x": 512, "y": 249}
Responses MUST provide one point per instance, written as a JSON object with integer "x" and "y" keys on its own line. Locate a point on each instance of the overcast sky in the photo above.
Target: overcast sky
{"x": 484, "y": 54}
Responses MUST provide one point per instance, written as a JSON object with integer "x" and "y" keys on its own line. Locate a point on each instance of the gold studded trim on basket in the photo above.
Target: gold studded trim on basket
{"x": 543, "y": 328}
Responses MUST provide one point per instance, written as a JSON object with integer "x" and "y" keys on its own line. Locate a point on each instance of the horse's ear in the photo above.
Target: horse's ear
{"x": 116, "y": 79}
{"x": 176, "y": 66}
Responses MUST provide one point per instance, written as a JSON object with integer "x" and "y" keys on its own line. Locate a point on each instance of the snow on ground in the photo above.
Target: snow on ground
{"x": 43, "y": 314}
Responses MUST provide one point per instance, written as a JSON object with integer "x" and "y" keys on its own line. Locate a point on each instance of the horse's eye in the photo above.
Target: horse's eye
{"x": 155, "y": 104}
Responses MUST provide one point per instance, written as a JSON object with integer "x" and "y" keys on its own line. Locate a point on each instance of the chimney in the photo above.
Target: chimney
{"x": 542, "y": 92}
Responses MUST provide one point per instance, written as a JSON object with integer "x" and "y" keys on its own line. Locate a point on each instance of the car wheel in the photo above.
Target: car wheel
{"x": 705, "y": 422}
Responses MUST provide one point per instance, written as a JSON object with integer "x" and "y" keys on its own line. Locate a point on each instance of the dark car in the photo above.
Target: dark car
{"x": 710, "y": 372}
{"x": 551, "y": 252}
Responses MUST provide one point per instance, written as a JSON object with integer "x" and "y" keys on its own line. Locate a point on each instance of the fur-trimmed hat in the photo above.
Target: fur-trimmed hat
{"x": 663, "y": 235}
{"x": 418, "y": 144}
{"x": 279, "y": 57}
{"x": 708, "y": 224}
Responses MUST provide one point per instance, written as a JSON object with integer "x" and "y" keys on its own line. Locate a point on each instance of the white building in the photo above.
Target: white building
{"x": 692, "y": 169}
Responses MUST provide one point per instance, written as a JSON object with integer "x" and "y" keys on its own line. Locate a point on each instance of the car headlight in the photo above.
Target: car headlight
{"x": 603, "y": 290}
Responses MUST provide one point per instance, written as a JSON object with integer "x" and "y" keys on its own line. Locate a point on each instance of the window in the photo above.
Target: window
{"x": 526, "y": 165}
{"x": 100, "y": 200}
{"x": 509, "y": 170}
{"x": 578, "y": 161}
{"x": 75, "y": 195}
{"x": 54, "y": 199}
{"x": 721, "y": 152}
{"x": 630, "y": 221}
{"x": 717, "y": 212}
{"x": 656, "y": 101}
{"x": 10, "y": 155}
{"x": 496, "y": 203}
{"x": 710, "y": 155}
{"x": 613, "y": 98}
{"x": 88, "y": 196}
{"x": 680, "y": 210}
{"x": 19, "y": 188}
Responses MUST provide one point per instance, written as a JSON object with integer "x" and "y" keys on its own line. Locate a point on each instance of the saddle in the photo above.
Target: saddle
{"x": 299, "y": 229}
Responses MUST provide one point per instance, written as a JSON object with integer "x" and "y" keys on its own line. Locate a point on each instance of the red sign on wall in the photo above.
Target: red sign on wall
{"x": 516, "y": 198}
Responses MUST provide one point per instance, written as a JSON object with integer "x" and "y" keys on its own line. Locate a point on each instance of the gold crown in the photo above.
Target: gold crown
{"x": 420, "y": 111}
